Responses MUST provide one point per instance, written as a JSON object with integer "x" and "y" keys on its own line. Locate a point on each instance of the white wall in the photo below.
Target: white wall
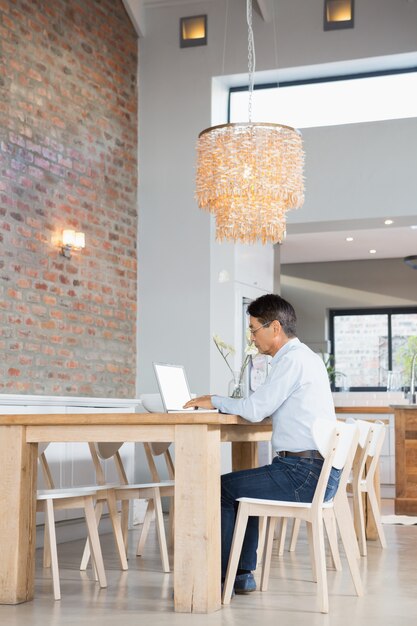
{"x": 314, "y": 288}
{"x": 360, "y": 171}
{"x": 181, "y": 301}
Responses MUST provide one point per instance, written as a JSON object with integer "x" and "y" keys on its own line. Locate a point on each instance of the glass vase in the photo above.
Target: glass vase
{"x": 236, "y": 386}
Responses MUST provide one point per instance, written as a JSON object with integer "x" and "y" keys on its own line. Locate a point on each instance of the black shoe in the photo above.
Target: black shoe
{"x": 245, "y": 583}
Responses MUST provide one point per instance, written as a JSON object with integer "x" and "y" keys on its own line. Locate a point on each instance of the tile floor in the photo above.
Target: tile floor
{"x": 143, "y": 595}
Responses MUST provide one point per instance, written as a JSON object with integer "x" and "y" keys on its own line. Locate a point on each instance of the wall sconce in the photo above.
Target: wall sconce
{"x": 338, "y": 14}
{"x": 193, "y": 31}
{"x": 71, "y": 240}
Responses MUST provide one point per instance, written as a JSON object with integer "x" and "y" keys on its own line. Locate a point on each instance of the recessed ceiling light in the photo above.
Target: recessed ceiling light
{"x": 372, "y": 251}
{"x": 414, "y": 226}
{"x": 349, "y": 238}
{"x": 388, "y": 222}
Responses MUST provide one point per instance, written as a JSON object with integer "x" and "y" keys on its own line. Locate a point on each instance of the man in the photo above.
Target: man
{"x": 295, "y": 393}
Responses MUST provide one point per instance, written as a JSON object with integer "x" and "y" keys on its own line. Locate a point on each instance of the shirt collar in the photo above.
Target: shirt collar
{"x": 285, "y": 348}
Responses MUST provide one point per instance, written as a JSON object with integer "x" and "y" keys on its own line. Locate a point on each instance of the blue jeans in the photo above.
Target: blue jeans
{"x": 292, "y": 479}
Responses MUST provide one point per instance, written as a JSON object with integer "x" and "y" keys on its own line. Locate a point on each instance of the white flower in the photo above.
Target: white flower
{"x": 222, "y": 344}
{"x": 226, "y": 350}
{"x": 251, "y": 349}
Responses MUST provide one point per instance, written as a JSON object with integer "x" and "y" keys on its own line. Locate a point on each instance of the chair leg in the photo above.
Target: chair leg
{"x": 320, "y": 563}
{"x": 311, "y": 550}
{"x": 294, "y": 534}
{"x": 263, "y": 523}
{"x": 46, "y": 548}
{"x": 267, "y": 555}
{"x": 53, "y": 548}
{"x": 149, "y": 515}
{"x": 86, "y": 554}
{"x": 282, "y": 535}
{"x": 236, "y": 549}
{"x": 95, "y": 547}
{"x": 125, "y": 522}
{"x": 171, "y": 521}
{"x": 377, "y": 517}
{"x": 331, "y": 531}
{"x": 159, "y": 520}
{"x": 348, "y": 537}
{"x": 117, "y": 529}
{"x": 359, "y": 519}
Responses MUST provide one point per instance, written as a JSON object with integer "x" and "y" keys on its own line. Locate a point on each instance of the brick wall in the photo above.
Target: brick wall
{"x": 68, "y": 159}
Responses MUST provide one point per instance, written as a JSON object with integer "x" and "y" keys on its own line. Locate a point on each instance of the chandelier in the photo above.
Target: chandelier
{"x": 250, "y": 174}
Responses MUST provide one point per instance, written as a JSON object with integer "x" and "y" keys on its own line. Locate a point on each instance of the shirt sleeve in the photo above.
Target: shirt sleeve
{"x": 282, "y": 381}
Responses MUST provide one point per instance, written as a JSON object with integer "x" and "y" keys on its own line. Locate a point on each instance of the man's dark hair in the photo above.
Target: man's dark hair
{"x": 271, "y": 307}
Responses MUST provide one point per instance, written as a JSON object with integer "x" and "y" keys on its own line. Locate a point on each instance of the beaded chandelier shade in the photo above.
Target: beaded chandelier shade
{"x": 250, "y": 174}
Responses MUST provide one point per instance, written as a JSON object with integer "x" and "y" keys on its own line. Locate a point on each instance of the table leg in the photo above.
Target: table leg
{"x": 17, "y": 515}
{"x": 197, "y": 519}
{"x": 244, "y": 455}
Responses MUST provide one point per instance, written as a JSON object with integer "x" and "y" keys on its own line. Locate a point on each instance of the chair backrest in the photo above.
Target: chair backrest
{"x": 46, "y": 470}
{"x": 378, "y": 437}
{"x": 157, "y": 449}
{"x": 364, "y": 427}
{"x": 323, "y": 434}
{"x": 106, "y": 451}
{"x": 337, "y": 443}
{"x": 152, "y": 403}
{"x": 374, "y": 451}
{"x": 326, "y": 436}
{"x": 365, "y": 438}
{"x": 349, "y": 435}
{"x": 345, "y": 454}
{"x": 322, "y": 431}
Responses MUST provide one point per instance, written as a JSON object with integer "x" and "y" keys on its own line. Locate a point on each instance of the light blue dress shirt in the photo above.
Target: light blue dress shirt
{"x": 295, "y": 393}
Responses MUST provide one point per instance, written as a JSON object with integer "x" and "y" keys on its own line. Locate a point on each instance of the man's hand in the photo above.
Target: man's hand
{"x": 203, "y": 402}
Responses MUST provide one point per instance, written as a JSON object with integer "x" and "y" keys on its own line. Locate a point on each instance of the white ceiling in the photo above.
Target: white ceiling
{"x": 327, "y": 242}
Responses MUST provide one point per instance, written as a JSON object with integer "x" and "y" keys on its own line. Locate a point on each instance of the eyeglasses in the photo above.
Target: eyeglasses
{"x": 253, "y": 332}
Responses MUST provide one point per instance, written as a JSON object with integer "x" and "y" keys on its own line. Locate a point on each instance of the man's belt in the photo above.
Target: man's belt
{"x": 306, "y": 454}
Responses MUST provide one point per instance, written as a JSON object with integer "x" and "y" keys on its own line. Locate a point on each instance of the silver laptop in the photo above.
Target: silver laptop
{"x": 174, "y": 389}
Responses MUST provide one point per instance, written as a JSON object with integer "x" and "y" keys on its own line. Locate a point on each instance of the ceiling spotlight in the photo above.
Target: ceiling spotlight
{"x": 372, "y": 251}
{"x": 388, "y": 222}
{"x": 349, "y": 238}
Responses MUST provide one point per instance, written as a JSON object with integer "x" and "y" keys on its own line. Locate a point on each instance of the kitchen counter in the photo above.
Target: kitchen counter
{"x": 405, "y": 459}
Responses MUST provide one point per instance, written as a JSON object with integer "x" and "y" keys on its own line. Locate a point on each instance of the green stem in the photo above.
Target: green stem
{"x": 225, "y": 360}
{"x": 242, "y": 369}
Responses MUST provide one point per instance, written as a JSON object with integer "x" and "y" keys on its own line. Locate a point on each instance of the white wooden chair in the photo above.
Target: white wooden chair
{"x": 124, "y": 492}
{"x": 358, "y": 465}
{"x": 337, "y": 443}
{"x": 363, "y": 482}
{"x": 104, "y": 494}
{"x": 339, "y": 516}
{"x": 50, "y": 500}
{"x": 153, "y": 450}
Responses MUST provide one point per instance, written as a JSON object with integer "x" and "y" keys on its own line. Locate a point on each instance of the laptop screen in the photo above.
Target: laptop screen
{"x": 173, "y": 385}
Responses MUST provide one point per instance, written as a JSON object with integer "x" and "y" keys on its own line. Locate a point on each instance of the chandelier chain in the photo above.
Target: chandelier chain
{"x": 225, "y": 36}
{"x": 250, "y": 174}
{"x": 251, "y": 56}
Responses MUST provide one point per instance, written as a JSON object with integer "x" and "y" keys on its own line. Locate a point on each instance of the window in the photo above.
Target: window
{"x": 331, "y": 101}
{"x": 366, "y": 344}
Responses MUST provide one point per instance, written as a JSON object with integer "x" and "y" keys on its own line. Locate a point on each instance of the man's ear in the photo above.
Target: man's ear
{"x": 277, "y": 327}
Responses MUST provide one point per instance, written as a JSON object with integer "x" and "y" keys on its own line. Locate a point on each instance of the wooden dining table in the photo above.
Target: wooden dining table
{"x": 197, "y": 437}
